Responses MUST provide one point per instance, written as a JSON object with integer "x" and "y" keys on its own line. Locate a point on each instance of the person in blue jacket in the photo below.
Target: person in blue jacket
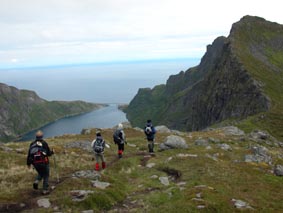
{"x": 150, "y": 131}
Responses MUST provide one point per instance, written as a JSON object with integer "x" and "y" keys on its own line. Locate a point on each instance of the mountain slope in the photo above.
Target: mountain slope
{"x": 203, "y": 178}
{"x": 238, "y": 77}
{"x": 23, "y": 110}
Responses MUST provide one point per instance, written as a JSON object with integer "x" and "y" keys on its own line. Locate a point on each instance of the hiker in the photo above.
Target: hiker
{"x": 119, "y": 139}
{"x": 150, "y": 131}
{"x": 98, "y": 145}
{"x": 38, "y": 157}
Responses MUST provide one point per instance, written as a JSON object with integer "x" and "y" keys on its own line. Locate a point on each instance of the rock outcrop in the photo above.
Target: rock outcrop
{"x": 238, "y": 76}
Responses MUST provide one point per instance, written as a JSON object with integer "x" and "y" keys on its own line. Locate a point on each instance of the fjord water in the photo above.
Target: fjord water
{"x": 97, "y": 83}
{"x": 105, "y": 117}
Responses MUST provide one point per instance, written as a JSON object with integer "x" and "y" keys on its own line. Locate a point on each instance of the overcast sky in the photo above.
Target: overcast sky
{"x": 52, "y": 32}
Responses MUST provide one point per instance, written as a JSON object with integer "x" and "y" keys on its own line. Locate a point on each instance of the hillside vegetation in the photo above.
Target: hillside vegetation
{"x": 22, "y": 111}
{"x": 208, "y": 176}
{"x": 238, "y": 81}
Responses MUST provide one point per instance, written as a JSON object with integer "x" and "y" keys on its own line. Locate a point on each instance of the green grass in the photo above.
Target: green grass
{"x": 133, "y": 185}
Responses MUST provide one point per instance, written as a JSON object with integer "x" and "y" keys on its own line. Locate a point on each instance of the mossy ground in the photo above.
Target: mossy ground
{"x": 215, "y": 182}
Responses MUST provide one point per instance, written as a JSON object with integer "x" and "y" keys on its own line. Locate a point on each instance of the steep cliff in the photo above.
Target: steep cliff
{"x": 239, "y": 76}
{"x": 23, "y": 110}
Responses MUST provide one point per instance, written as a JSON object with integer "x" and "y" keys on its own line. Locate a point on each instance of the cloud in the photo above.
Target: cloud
{"x": 39, "y": 32}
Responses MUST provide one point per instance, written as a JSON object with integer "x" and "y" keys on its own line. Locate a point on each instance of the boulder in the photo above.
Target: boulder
{"x": 84, "y": 144}
{"x": 162, "y": 129}
{"x": 278, "y": 170}
{"x": 99, "y": 184}
{"x": 232, "y": 131}
{"x": 90, "y": 174}
{"x": 259, "y": 154}
{"x": 201, "y": 142}
{"x": 225, "y": 147}
{"x": 44, "y": 202}
{"x": 85, "y": 131}
{"x": 164, "y": 180}
{"x": 173, "y": 142}
{"x": 239, "y": 204}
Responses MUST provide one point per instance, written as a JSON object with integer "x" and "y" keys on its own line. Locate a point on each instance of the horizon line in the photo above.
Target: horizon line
{"x": 98, "y": 63}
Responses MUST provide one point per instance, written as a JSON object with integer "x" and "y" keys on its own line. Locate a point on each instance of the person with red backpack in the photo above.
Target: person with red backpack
{"x": 38, "y": 154}
{"x": 119, "y": 138}
{"x": 98, "y": 145}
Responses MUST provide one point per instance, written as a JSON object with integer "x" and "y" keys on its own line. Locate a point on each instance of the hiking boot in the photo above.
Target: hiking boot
{"x": 35, "y": 184}
{"x": 97, "y": 166}
{"x": 45, "y": 192}
{"x": 103, "y": 165}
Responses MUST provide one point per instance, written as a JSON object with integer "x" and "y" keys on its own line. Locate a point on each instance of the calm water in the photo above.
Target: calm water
{"x": 106, "y": 117}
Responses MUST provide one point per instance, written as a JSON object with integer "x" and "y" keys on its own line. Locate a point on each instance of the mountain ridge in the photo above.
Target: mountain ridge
{"x": 23, "y": 110}
{"x": 230, "y": 83}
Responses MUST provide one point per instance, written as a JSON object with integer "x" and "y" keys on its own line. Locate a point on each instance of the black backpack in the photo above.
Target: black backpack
{"x": 98, "y": 145}
{"x": 38, "y": 153}
{"x": 116, "y": 136}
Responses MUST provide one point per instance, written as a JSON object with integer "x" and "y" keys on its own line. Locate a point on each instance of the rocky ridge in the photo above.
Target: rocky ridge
{"x": 239, "y": 76}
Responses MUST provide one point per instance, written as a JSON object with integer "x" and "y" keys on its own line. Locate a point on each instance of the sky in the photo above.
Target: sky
{"x": 35, "y": 33}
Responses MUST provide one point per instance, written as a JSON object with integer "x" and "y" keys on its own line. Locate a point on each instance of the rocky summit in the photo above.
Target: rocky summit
{"x": 239, "y": 80}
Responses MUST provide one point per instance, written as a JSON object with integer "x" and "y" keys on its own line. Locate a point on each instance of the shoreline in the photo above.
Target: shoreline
{"x": 96, "y": 107}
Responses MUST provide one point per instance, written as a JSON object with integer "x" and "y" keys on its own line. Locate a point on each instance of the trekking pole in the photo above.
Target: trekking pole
{"x": 55, "y": 166}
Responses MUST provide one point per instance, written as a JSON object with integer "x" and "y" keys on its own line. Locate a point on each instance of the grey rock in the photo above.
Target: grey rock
{"x": 99, "y": 184}
{"x": 164, "y": 181}
{"x": 201, "y": 142}
{"x": 225, "y": 147}
{"x": 173, "y": 142}
{"x": 278, "y": 170}
{"x": 213, "y": 157}
{"x": 181, "y": 155}
{"x": 150, "y": 165}
{"x": 258, "y": 134}
{"x": 138, "y": 129}
{"x": 80, "y": 195}
{"x": 44, "y": 202}
{"x": 154, "y": 177}
{"x": 213, "y": 140}
{"x": 162, "y": 129}
{"x": 85, "y": 131}
{"x": 87, "y": 211}
{"x": 232, "y": 130}
{"x": 91, "y": 174}
{"x": 176, "y": 132}
{"x": 85, "y": 145}
{"x": 239, "y": 204}
{"x": 162, "y": 147}
{"x": 260, "y": 154}
{"x": 259, "y": 150}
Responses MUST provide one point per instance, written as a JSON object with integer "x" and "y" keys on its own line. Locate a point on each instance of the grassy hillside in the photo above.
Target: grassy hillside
{"x": 22, "y": 111}
{"x": 201, "y": 178}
